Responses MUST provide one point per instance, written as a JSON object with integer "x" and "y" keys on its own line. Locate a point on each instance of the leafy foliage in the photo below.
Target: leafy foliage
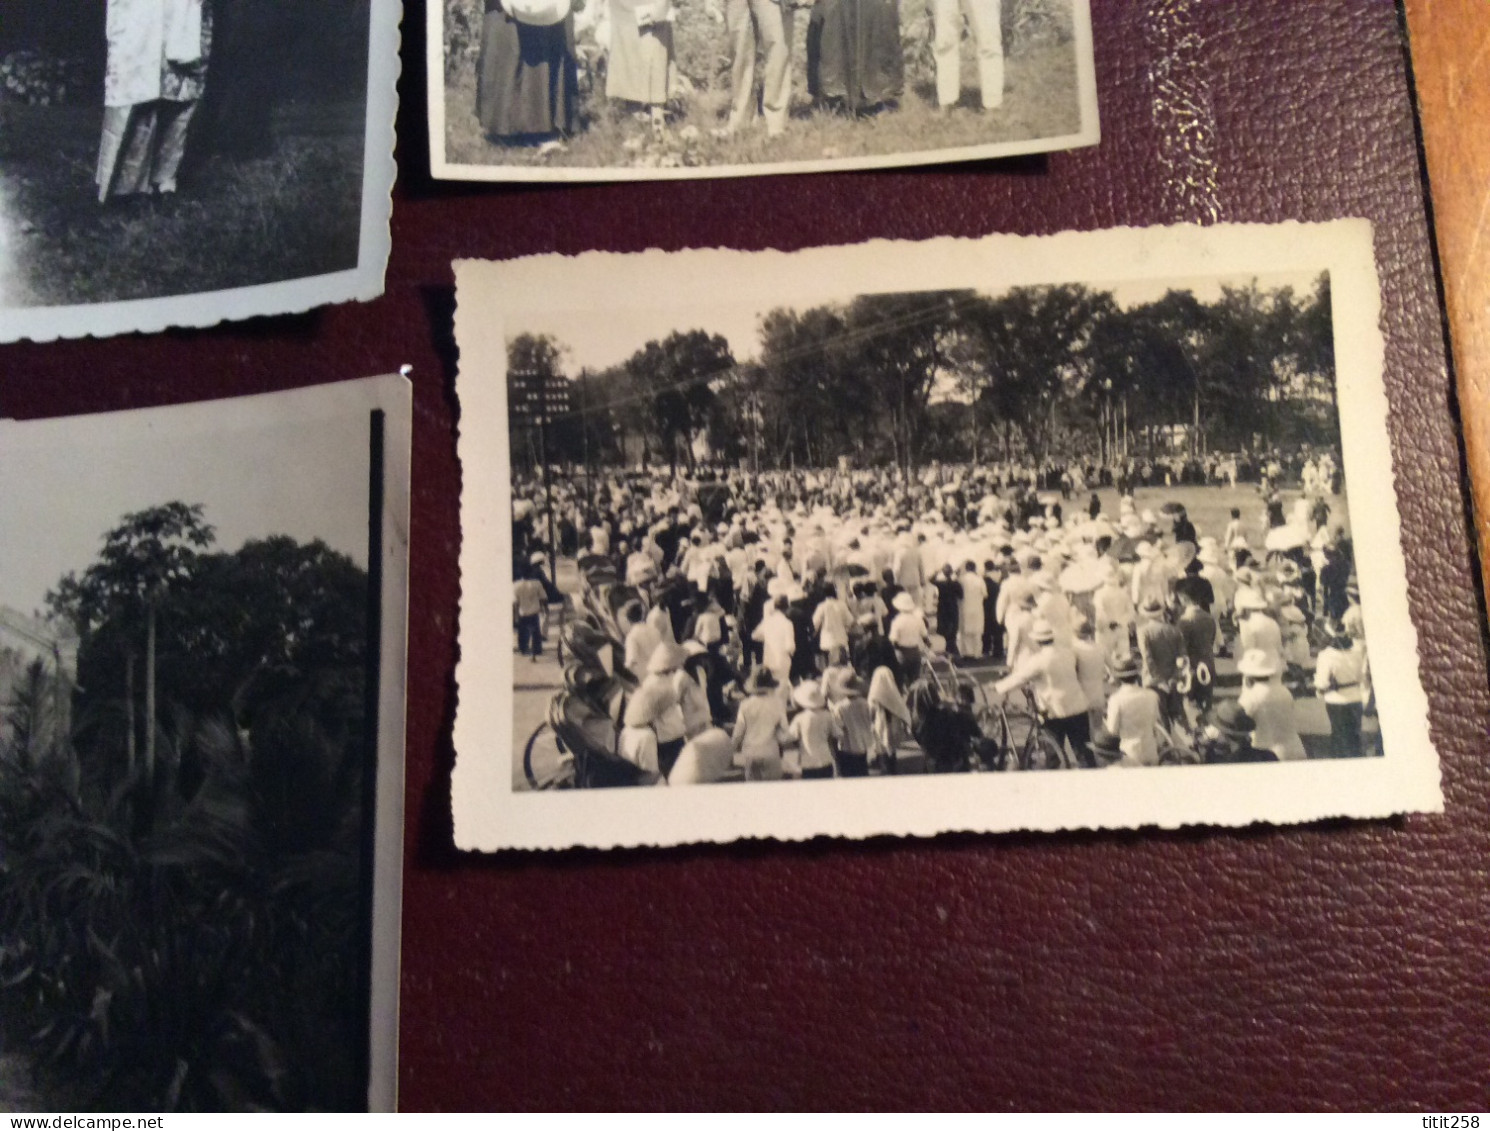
{"x": 904, "y": 378}
{"x": 184, "y": 936}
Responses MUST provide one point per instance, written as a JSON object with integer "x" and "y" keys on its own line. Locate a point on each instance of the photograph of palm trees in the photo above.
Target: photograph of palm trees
{"x": 189, "y": 744}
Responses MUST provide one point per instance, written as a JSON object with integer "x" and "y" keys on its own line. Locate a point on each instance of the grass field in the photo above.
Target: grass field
{"x": 234, "y": 223}
{"x": 1210, "y": 507}
{"x": 1039, "y": 101}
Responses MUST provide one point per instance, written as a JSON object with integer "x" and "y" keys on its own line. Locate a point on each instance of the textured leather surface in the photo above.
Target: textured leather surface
{"x": 1447, "y": 40}
{"x": 1340, "y": 965}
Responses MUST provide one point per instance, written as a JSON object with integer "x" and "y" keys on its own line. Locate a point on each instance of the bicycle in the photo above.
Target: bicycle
{"x": 546, "y": 763}
{"x": 1021, "y": 738}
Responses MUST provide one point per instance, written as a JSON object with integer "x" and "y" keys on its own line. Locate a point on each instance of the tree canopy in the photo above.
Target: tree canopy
{"x": 184, "y": 932}
{"x": 1030, "y": 373}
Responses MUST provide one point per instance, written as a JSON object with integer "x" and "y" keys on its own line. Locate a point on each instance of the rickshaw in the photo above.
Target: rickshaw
{"x": 577, "y": 746}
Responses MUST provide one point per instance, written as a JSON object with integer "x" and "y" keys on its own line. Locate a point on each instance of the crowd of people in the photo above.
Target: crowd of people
{"x": 528, "y": 69}
{"x": 784, "y": 623}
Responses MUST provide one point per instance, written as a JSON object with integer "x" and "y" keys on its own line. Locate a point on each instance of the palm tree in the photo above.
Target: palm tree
{"x": 144, "y": 558}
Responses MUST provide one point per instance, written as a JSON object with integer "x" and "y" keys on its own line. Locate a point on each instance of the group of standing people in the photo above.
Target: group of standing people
{"x": 822, "y": 611}
{"x": 528, "y": 70}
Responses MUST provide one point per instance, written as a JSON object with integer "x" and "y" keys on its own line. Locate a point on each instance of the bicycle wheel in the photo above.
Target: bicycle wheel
{"x": 1045, "y": 753}
{"x": 546, "y": 764}
{"x": 1029, "y": 746}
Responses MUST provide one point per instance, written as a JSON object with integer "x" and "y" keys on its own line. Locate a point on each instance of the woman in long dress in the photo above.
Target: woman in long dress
{"x": 156, "y": 75}
{"x": 854, "y": 57}
{"x": 970, "y": 618}
{"x": 527, "y": 78}
{"x": 640, "y": 65}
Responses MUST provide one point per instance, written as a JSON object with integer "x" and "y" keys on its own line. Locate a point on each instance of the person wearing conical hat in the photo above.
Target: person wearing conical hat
{"x": 705, "y": 758}
{"x": 814, "y": 731}
{"x": 1271, "y": 706}
{"x": 760, "y": 729}
{"x": 1133, "y": 712}
{"x": 1051, "y": 670}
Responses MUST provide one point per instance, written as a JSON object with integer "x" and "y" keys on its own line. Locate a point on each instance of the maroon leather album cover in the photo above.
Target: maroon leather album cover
{"x": 1336, "y": 965}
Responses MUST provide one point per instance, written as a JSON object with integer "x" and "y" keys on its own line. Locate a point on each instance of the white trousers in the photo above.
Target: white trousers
{"x": 983, "y": 16}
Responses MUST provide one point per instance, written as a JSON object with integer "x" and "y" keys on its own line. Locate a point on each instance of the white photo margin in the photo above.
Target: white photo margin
{"x": 1088, "y": 132}
{"x": 493, "y": 299}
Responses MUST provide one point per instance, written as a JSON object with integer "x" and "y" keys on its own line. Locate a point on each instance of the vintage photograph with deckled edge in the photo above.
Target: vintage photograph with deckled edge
{"x": 182, "y": 162}
{"x": 563, "y": 90}
{"x": 1046, "y": 547}
{"x": 201, "y": 753}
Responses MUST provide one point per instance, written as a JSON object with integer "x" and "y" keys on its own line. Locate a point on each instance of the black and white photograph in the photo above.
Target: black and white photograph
{"x": 181, "y": 162}
{"x": 555, "y": 90}
{"x": 201, "y": 754}
{"x": 992, "y": 531}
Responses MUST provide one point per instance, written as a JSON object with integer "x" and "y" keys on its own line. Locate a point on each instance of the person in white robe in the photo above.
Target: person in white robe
{"x": 970, "y": 622}
{"x": 155, "y": 76}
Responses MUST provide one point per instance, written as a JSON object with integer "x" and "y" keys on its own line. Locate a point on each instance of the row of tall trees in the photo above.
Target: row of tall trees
{"x": 181, "y": 899}
{"x": 900, "y": 379}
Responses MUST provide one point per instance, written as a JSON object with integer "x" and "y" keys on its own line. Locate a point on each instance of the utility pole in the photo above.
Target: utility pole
{"x": 548, "y": 488}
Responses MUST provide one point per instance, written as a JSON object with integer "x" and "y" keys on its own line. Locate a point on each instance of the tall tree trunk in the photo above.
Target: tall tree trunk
{"x": 150, "y": 691}
{"x": 129, "y": 707}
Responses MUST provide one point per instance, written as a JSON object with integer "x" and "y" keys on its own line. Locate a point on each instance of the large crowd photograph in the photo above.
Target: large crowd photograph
{"x": 642, "y": 89}
{"x": 1004, "y": 530}
{"x": 154, "y": 149}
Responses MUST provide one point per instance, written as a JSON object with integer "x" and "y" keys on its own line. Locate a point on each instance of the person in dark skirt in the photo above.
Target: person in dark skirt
{"x": 527, "y": 79}
{"x": 854, "y": 58}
